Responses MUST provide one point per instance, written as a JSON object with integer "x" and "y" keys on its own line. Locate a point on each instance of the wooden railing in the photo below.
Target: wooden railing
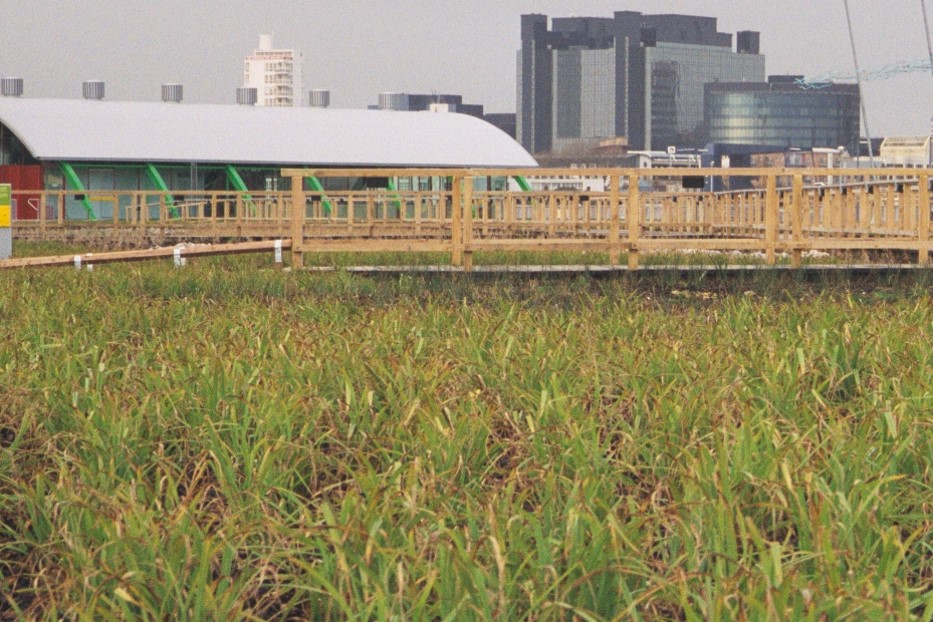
{"x": 784, "y": 211}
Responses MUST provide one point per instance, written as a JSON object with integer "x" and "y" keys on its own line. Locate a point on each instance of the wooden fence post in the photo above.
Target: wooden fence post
{"x": 214, "y": 205}
{"x": 351, "y": 213}
{"x": 43, "y": 203}
{"x": 797, "y": 221}
{"x": 633, "y": 216}
{"x": 456, "y": 227}
{"x": 298, "y": 220}
{"x": 370, "y": 213}
{"x": 240, "y": 209}
{"x": 614, "y": 215}
{"x": 924, "y": 228}
{"x": 144, "y": 217}
{"x": 488, "y": 205}
{"x": 468, "y": 224}
{"x": 771, "y": 218}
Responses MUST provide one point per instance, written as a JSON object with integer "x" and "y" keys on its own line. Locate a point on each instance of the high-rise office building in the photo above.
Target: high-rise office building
{"x": 582, "y": 79}
{"x": 275, "y": 74}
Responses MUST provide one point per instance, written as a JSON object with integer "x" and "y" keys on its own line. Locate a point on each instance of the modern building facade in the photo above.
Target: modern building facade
{"x": 275, "y": 74}
{"x": 783, "y": 113}
{"x": 632, "y": 75}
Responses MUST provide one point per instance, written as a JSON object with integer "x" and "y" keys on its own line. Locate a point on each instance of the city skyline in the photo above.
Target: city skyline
{"x": 358, "y": 49}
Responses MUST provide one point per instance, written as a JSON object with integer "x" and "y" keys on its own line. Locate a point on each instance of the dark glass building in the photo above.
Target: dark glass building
{"x": 631, "y": 75}
{"x": 423, "y": 102}
{"x": 505, "y": 121}
{"x": 783, "y": 113}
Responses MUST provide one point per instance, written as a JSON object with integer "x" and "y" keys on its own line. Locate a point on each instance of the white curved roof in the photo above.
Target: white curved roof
{"x": 101, "y": 131}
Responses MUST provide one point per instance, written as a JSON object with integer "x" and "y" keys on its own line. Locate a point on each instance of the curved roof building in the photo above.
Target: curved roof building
{"x": 83, "y": 146}
{"x": 101, "y": 131}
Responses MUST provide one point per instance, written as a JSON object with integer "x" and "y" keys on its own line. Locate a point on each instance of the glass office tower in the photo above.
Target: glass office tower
{"x": 676, "y": 75}
{"x": 584, "y": 100}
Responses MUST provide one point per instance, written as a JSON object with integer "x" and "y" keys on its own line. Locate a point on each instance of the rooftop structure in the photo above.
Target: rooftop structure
{"x": 907, "y": 151}
{"x": 319, "y": 98}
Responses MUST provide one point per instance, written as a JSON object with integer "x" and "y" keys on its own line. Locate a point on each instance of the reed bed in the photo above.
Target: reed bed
{"x": 224, "y": 443}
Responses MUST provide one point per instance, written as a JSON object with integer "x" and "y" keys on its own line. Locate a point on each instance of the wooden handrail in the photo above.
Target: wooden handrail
{"x": 863, "y": 209}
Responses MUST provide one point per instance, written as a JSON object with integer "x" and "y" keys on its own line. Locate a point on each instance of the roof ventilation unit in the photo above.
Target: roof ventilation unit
{"x": 11, "y": 87}
{"x": 172, "y": 93}
{"x": 247, "y": 95}
{"x": 319, "y": 98}
{"x": 93, "y": 89}
{"x": 393, "y": 101}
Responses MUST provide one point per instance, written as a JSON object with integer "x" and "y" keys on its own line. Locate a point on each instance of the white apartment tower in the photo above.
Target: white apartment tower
{"x": 275, "y": 74}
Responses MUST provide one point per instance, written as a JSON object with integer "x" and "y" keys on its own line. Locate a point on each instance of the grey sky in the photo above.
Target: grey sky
{"x": 358, "y": 48}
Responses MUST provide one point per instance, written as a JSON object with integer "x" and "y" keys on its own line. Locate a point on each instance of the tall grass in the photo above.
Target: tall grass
{"x": 221, "y": 443}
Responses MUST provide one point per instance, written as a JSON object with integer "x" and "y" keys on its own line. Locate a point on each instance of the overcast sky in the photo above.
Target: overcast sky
{"x": 359, "y": 48}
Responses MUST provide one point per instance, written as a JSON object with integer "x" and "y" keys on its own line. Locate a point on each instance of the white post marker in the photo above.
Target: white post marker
{"x": 178, "y": 261}
{"x": 77, "y": 262}
{"x": 278, "y": 251}
{"x": 6, "y": 221}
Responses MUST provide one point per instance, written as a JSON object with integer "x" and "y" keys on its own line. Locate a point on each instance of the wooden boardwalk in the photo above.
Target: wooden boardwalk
{"x": 637, "y": 211}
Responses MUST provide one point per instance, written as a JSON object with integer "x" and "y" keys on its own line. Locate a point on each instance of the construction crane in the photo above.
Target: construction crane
{"x": 926, "y": 26}
{"x": 869, "y": 75}
{"x": 883, "y": 73}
